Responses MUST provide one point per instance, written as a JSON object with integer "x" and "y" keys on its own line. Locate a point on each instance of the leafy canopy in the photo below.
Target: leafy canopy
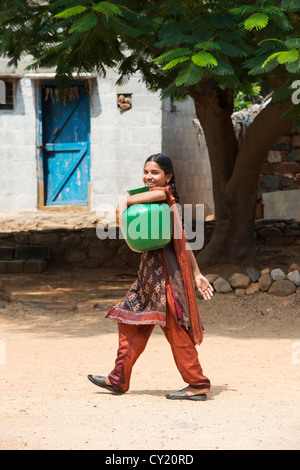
{"x": 175, "y": 44}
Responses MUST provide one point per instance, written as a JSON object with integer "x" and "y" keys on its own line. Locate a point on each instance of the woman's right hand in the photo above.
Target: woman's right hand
{"x": 120, "y": 209}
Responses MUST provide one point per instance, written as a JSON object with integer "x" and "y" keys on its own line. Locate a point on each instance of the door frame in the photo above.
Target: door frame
{"x": 39, "y": 150}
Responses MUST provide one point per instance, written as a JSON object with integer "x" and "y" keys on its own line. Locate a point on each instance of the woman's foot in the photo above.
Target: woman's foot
{"x": 189, "y": 393}
{"x": 104, "y": 383}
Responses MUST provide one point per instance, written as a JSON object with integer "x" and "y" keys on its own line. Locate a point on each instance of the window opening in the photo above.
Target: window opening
{"x": 6, "y": 94}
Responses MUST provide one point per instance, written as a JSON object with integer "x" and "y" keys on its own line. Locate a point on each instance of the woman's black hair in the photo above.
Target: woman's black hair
{"x": 166, "y": 164}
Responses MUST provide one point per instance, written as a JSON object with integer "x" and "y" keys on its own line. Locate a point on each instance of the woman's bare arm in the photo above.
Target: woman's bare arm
{"x": 202, "y": 283}
{"x": 149, "y": 196}
{"x": 140, "y": 198}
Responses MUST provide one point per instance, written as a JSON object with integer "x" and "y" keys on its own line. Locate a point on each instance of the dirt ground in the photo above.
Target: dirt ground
{"x": 53, "y": 334}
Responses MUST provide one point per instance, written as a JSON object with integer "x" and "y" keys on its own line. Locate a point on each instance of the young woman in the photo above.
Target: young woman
{"x": 164, "y": 294}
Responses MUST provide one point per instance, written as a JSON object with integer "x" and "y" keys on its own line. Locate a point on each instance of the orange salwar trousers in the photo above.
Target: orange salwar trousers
{"x": 133, "y": 340}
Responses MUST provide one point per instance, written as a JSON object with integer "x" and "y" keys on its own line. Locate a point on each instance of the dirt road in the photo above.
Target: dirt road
{"x": 251, "y": 353}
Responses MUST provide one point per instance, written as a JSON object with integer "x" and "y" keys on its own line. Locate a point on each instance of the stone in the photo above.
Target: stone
{"x": 240, "y": 292}
{"x": 84, "y": 307}
{"x": 239, "y": 281}
{"x": 253, "y": 273}
{"x": 2, "y": 267}
{"x": 270, "y": 232}
{"x": 253, "y": 288}
{"x": 277, "y": 274}
{"x": 35, "y": 265}
{"x": 293, "y": 266}
{"x": 6, "y": 252}
{"x": 286, "y": 180}
{"x": 211, "y": 277}
{"x": 47, "y": 288}
{"x": 296, "y": 141}
{"x": 221, "y": 285}
{"x": 270, "y": 181}
{"x": 294, "y": 156}
{"x": 274, "y": 156}
{"x": 266, "y": 271}
{"x": 294, "y": 277}
{"x": 265, "y": 282}
{"x": 282, "y": 204}
{"x": 282, "y": 288}
{"x": 14, "y": 266}
{"x": 267, "y": 169}
{"x": 288, "y": 167}
{"x": 32, "y": 252}
{"x": 283, "y": 140}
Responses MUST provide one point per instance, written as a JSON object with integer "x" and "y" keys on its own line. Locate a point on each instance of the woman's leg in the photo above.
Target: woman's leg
{"x": 132, "y": 342}
{"x": 184, "y": 351}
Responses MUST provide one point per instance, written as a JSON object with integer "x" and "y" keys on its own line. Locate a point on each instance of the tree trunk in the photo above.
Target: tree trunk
{"x": 235, "y": 172}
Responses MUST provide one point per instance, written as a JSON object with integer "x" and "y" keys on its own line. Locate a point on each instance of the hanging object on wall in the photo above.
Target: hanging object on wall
{"x": 124, "y": 101}
{"x": 68, "y": 95}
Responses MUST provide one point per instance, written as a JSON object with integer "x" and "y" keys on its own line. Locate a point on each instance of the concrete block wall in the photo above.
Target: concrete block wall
{"x": 18, "y": 166}
{"x": 121, "y": 141}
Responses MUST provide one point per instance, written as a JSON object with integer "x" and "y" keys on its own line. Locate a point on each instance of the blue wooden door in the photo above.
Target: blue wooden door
{"x": 65, "y": 147}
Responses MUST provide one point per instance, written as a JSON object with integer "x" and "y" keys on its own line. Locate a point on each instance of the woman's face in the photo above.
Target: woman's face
{"x": 154, "y": 175}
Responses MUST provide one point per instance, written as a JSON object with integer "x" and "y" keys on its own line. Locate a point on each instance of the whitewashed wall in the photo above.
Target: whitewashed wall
{"x": 121, "y": 142}
{"x": 18, "y": 165}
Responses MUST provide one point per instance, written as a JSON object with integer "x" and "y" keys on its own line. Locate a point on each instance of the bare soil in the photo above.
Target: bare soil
{"x": 53, "y": 334}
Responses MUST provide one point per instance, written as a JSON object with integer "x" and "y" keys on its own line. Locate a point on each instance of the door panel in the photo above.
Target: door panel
{"x": 66, "y": 147}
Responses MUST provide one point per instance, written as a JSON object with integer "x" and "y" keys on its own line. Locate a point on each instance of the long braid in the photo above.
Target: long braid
{"x": 174, "y": 190}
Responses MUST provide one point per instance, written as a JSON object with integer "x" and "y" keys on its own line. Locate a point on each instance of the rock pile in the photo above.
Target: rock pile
{"x": 274, "y": 282}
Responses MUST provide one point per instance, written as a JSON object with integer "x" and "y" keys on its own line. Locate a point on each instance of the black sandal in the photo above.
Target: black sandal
{"x": 182, "y": 395}
{"x": 100, "y": 381}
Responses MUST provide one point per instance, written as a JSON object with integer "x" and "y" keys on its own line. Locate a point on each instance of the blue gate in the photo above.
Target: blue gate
{"x": 65, "y": 146}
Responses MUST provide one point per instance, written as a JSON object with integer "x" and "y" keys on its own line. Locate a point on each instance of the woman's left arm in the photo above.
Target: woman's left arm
{"x": 202, "y": 283}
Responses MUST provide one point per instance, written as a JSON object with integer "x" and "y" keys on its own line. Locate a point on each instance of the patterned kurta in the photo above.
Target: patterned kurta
{"x": 146, "y": 301}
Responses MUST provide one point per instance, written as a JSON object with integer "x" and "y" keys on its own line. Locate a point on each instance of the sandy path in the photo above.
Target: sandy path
{"x": 251, "y": 353}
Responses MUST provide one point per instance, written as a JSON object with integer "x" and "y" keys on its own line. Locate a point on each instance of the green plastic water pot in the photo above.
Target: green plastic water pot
{"x": 147, "y": 227}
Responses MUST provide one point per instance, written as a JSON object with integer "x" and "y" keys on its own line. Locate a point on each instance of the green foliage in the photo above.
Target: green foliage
{"x": 190, "y": 74}
{"x": 243, "y": 100}
{"x": 84, "y": 23}
{"x": 257, "y": 21}
{"x": 107, "y": 9}
{"x": 173, "y": 44}
{"x": 71, "y": 12}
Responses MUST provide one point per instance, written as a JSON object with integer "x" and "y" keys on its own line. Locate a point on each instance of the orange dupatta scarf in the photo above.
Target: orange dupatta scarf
{"x": 195, "y": 331}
